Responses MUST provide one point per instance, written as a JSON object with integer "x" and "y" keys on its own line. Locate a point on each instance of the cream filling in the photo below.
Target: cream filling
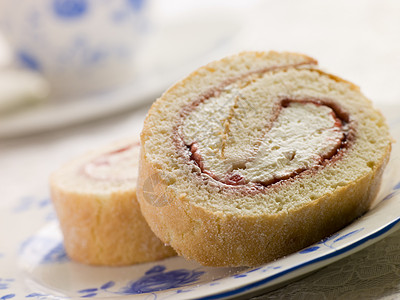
{"x": 121, "y": 164}
{"x": 303, "y": 134}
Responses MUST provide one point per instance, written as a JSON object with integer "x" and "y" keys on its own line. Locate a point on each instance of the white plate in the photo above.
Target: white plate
{"x": 172, "y": 49}
{"x": 33, "y": 263}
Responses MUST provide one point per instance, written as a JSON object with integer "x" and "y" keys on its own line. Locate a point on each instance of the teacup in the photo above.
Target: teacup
{"x": 80, "y": 46}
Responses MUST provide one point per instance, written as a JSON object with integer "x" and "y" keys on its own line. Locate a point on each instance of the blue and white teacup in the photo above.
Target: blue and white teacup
{"x": 79, "y": 46}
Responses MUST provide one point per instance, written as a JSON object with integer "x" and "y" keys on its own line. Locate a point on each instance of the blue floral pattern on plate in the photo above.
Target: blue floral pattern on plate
{"x": 51, "y": 251}
{"x": 8, "y": 296}
{"x": 331, "y": 241}
{"x": 28, "y": 60}
{"x": 156, "y": 279}
{"x": 136, "y": 4}
{"x": 56, "y": 255}
{"x": 5, "y": 283}
{"x": 70, "y": 9}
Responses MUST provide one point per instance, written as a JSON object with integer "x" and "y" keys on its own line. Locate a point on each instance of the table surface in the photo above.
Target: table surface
{"x": 359, "y": 40}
